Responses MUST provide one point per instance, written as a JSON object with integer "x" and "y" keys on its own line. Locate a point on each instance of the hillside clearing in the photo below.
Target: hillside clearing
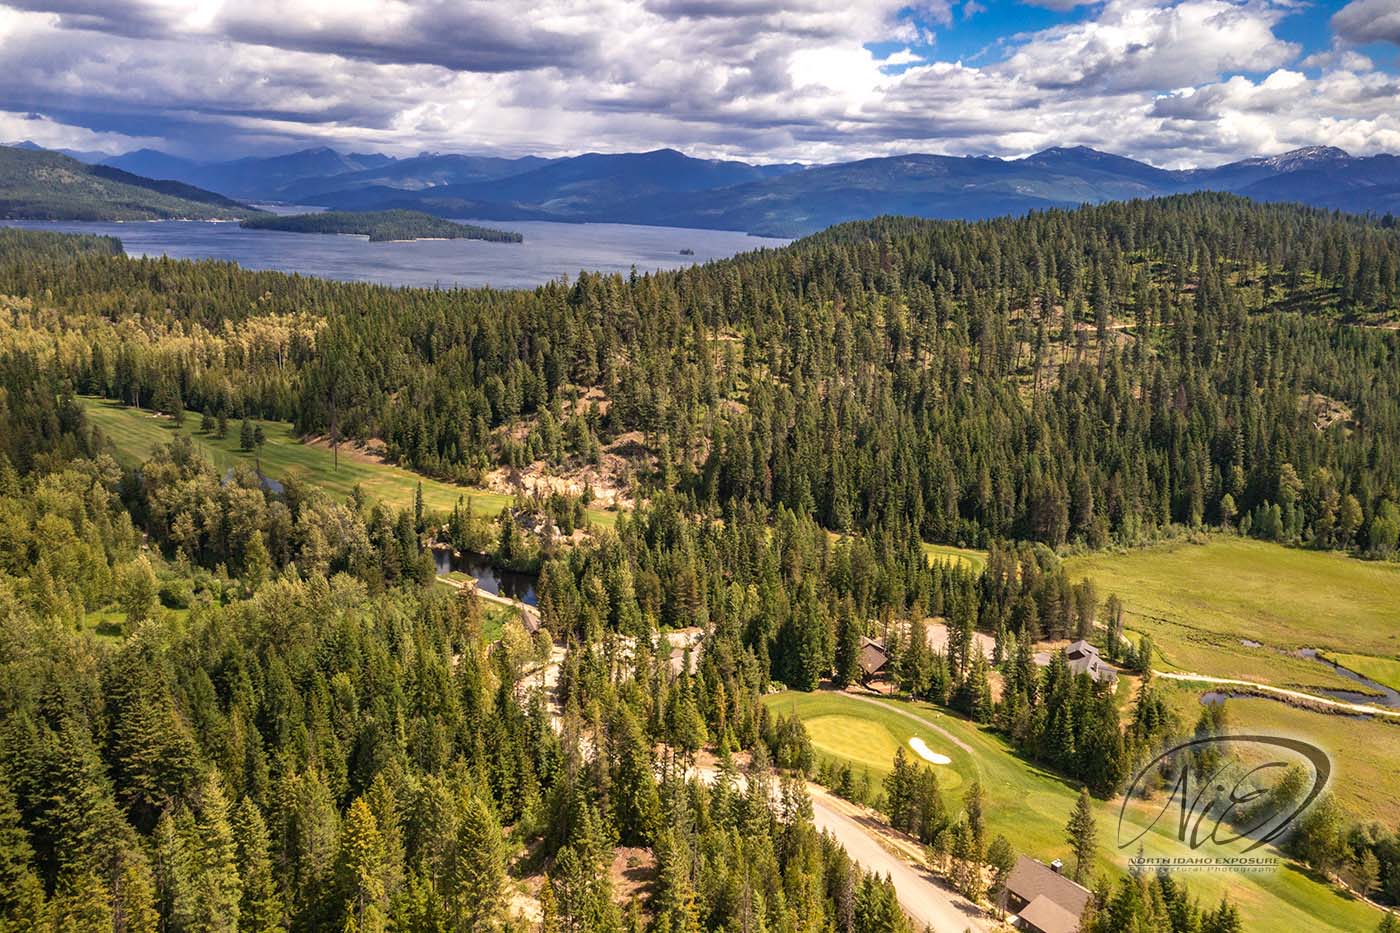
{"x": 136, "y": 433}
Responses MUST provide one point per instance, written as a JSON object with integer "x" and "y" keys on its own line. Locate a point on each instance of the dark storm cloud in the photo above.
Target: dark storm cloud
{"x": 475, "y": 37}
{"x": 1365, "y": 21}
{"x": 135, "y": 20}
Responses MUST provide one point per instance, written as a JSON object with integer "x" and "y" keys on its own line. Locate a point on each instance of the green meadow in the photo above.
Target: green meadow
{"x": 1365, "y": 752}
{"x": 1030, "y": 805}
{"x": 136, "y": 433}
{"x": 972, "y": 558}
{"x": 1201, "y": 602}
{"x": 1381, "y": 670}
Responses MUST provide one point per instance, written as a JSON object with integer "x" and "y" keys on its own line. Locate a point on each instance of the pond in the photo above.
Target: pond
{"x": 498, "y": 582}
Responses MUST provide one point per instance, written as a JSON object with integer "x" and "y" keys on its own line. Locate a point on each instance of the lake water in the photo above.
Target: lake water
{"x": 550, "y": 250}
{"x": 494, "y": 580}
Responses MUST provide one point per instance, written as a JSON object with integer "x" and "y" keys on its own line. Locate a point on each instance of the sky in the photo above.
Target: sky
{"x": 1177, "y": 84}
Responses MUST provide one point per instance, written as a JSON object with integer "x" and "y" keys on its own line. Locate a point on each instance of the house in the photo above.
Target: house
{"x": 1083, "y": 658}
{"x": 1042, "y": 899}
{"x": 873, "y": 658}
{"x": 687, "y": 646}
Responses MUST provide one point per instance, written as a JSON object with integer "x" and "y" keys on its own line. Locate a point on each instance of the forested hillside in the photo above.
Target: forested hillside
{"x": 1087, "y": 376}
{"x": 381, "y": 226}
{"x": 229, "y": 703}
{"x": 42, "y": 185}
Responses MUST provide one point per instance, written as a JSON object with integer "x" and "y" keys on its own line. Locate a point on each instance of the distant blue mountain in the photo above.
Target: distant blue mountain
{"x": 82, "y": 155}
{"x": 428, "y": 170}
{"x": 250, "y": 178}
{"x": 667, "y": 187}
{"x": 584, "y": 186}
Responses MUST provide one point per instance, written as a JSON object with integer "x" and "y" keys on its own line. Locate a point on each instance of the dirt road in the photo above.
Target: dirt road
{"x": 869, "y": 842}
{"x": 878, "y": 848}
{"x": 1363, "y": 708}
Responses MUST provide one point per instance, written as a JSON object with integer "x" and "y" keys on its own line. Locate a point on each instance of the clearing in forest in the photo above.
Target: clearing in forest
{"x": 136, "y": 433}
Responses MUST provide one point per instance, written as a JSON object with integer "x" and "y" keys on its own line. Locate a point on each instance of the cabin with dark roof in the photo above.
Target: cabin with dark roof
{"x": 1083, "y": 658}
{"x": 873, "y": 658}
{"x": 1042, "y": 899}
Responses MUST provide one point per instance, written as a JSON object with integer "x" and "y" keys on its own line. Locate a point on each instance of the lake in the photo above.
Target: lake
{"x": 550, "y": 250}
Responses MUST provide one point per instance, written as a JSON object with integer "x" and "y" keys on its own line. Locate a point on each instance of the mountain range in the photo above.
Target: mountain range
{"x": 669, "y": 188}
{"x": 36, "y": 184}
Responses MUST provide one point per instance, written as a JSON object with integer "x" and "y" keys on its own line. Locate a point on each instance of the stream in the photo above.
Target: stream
{"x": 1376, "y": 693}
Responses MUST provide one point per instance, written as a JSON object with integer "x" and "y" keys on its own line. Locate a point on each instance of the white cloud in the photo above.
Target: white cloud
{"x": 1174, "y": 82}
{"x": 51, "y": 134}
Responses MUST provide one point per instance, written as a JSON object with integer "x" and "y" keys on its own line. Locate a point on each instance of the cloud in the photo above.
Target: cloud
{"x": 52, "y": 134}
{"x": 1173, "y": 81}
{"x": 1062, "y": 6}
{"x": 1137, "y": 46}
{"x": 1364, "y": 21}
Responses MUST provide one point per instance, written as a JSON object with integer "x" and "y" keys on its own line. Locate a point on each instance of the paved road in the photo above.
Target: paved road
{"x": 923, "y": 898}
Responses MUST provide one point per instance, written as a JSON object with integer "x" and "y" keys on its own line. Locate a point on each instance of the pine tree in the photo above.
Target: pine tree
{"x": 260, "y": 910}
{"x": 217, "y": 887}
{"x": 1225, "y": 918}
{"x": 675, "y": 903}
{"x": 358, "y": 871}
{"x": 174, "y": 870}
{"x": 384, "y": 804}
{"x": 476, "y": 877}
{"x": 1001, "y": 859}
{"x": 638, "y": 808}
{"x": 21, "y": 892}
{"x": 80, "y": 903}
{"x": 973, "y": 807}
{"x": 847, "y": 647}
{"x": 1081, "y": 833}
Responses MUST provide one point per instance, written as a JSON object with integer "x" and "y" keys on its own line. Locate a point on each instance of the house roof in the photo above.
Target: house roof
{"x": 1031, "y": 879}
{"x": 873, "y": 655}
{"x": 1094, "y": 666}
{"x": 1048, "y": 917}
{"x": 1083, "y": 658}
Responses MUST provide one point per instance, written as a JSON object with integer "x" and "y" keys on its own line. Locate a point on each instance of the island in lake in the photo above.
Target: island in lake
{"x": 382, "y": 226}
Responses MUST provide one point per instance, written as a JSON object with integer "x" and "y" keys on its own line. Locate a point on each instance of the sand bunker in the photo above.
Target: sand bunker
{"x": 927, "y": 754}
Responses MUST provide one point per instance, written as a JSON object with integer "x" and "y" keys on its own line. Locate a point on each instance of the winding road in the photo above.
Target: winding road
{"x": 876, "y": 847}
{"x": 923, "y": 723}
{"x": 870, "y": 842}
{"x": 1362, "y": 708}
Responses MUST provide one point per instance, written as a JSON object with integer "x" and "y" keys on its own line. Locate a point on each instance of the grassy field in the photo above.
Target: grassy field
{"x": 136, "y": 433}
{"x": 974, "y": 559}
{"x": 1381, "y": 670}
{"x": 1365, "y": 753}
{"x": 1200, "y": 602}
{"x": 1031, "y": 805}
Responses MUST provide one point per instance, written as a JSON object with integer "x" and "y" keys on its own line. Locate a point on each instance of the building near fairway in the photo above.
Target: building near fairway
{"x": 1042, "y": 899}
